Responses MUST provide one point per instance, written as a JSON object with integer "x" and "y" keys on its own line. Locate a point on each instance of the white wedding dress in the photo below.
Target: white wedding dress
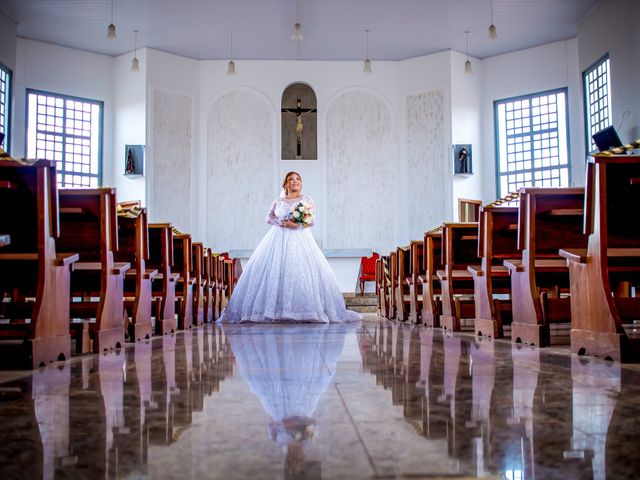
{"x": 287, "y": 279}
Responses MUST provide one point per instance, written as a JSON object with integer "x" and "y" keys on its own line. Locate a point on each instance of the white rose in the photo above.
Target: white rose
{"x": 296, "y": 214}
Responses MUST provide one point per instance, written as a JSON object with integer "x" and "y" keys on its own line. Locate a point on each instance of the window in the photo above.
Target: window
{"x": 597, "y": 92}
{"x": 531, "y": 143}
{"x": 5, "y": 104}
{"x": 69, "y": 131}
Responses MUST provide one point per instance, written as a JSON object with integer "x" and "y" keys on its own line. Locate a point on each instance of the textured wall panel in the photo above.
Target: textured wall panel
{"x": 172, "y": 159}
{"x": 427, "y": 164}
{"x": 239, "y": 170}
{"x": 360, "y": 174}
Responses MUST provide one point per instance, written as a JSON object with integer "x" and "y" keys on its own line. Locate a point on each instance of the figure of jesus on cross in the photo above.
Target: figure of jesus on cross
{"x": 300, "y": 113}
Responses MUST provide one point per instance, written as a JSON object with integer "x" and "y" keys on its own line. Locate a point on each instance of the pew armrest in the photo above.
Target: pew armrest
{"x": 475, "y": 270}
{"x": 64, "y": 259}
{"x": 514, "y": 265}
{"x": 118, "y": 267}
{"x": 150, "y": 273}
{"x": 577, "y": 255}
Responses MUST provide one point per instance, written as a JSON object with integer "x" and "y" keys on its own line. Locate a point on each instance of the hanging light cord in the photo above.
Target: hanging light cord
{"x": 367, "y": 43}
{"x": 467, "y": 32}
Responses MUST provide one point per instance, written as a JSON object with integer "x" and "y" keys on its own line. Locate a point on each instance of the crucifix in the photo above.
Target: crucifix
{"x": 299, "y": 112}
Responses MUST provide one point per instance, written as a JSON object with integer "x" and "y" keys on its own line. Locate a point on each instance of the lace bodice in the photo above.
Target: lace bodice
{"x": 281, "y": 208}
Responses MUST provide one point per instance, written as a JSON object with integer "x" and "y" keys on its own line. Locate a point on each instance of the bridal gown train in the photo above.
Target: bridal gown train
{"x": 287, "y": 279}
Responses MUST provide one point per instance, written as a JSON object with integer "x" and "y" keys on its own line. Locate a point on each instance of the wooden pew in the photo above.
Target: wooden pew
{"x": 601, "y": 300}
{"x": 393, "y": 285}
{"x": 182, "y": 259}
{"x": 459, "y": 249}
{"x": 209, "y": 286}
{"x": 549, "y": 219}
{"x": 403, "y": 281}
{"x": 385, "y": 285}
{"x": 197, "y": 273}
{"x": 431, "y": 288}
{"x": 133, "y": 238}
{"x": 469, "y": 210}
{"x": 379, "y": 284}
{"x": 89, "y": 226}
{"x": 31, "y": 267}
{"x": 164, "y": 284}
{"x": 498, "y": 241}
{"x": 221, "y": 289}
{"x": 416, "y": 270}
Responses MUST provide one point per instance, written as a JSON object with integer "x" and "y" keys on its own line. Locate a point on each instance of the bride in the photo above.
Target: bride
{"x": 288, "y": 279}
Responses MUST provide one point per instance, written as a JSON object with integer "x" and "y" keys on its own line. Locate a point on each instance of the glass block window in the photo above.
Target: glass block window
{"x": 5, "y": 104}
{"x": 69, "y": 131}
{"x": 597, "y": 92}
{"x": 531, "y": 141}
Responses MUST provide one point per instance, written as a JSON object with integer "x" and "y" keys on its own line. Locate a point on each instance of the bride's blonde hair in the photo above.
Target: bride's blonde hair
{"x": 286, "y": 178}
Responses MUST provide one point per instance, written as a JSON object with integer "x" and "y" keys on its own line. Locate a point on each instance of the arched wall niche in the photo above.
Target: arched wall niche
{"x": 299, "y": 131}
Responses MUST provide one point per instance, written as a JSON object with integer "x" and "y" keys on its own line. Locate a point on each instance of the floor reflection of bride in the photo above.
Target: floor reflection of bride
{"x": 288, "y": 368}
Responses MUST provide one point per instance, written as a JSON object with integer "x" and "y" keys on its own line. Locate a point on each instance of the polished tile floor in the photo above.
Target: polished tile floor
{"x": 372, "y": 400}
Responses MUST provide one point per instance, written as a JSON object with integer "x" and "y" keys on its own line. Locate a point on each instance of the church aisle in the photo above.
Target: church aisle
{"x": 376, "y": 399}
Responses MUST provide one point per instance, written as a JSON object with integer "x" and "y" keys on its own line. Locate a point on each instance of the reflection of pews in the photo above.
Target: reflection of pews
{"x": 596, "y": 386}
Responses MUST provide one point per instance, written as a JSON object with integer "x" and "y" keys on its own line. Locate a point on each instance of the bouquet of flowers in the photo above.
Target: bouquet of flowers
{"x": 302, "y": 213}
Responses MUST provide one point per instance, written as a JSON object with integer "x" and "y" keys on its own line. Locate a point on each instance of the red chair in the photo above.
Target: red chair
{"x": 367, "y": 270}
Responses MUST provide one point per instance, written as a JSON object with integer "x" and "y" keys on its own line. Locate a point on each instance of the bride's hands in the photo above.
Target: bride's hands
{"x": 289, "y": 224}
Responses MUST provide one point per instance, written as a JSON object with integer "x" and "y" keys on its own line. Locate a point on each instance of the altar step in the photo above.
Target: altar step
{"x": 366, "y": 303}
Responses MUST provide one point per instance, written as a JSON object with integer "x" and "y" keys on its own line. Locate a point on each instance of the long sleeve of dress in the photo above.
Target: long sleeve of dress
{"x": 272, "y": 219}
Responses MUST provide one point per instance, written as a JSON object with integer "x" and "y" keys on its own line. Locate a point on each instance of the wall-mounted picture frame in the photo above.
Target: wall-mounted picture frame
{"x": 133, "y": 160}
{"x": 462, "y": 159}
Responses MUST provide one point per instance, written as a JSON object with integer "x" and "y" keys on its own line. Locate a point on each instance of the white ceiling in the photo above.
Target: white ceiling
{"x": 333, "y": 29}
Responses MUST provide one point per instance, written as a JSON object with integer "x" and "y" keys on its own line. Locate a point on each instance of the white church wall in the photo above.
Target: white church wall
{"x": 239, "y": 156}
{"x": 173, "y": 180}
{"x": 360, "y": 172}
{"x": 424, "y": 134}
{"x": 529, "y": 71}
{"x": 616, "y": 25}
{"x": 466, "y": 127}
{"x": 61, "y": 70}
{"x": 130, "y": 121}
{"x": 170, "y": 142}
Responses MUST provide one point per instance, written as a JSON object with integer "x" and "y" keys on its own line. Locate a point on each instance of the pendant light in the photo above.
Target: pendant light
{"x": 297, "y": 28}
{"x": 111, "y": 29}
{"x": 467, "y": 64}
{"x": 135, "y": 64}
{"x": 231, "y": 66}
{"x": 493, "y": 34}
{"x": 367, "y": 61}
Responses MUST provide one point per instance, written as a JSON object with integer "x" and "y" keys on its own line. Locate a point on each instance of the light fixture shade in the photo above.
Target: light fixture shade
{"x": 467, "y": 66}
{"x": 297, "y": 32}
{"x": 111, "y": 31}
{"x": 367, "y": 66}
{"x": 231, "y": 68}
{"x": 135, "y": 65}
{"x": 493, "y": 35}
